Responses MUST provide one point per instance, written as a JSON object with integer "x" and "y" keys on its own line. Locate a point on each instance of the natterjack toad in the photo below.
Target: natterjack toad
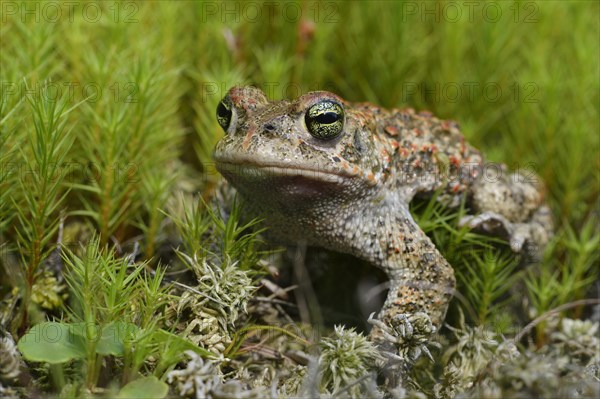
{"x": 341, "y": 175}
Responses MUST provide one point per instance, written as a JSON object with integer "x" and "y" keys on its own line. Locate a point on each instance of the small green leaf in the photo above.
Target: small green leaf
{"x": 52, "y": 342}
{"x": 146, "y": 387}
{"x": 113, "y": 337}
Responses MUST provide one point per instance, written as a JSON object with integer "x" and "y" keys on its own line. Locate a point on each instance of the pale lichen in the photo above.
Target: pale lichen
{"x": 214, "y": 304}
{"x": 198, "y": 379}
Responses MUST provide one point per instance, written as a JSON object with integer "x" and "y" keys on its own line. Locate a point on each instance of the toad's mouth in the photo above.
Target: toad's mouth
{"x": 286, "y": 185}
{"x": 281, "y": 172}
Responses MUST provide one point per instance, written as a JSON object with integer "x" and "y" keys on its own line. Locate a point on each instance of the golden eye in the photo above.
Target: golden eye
{"x": 325, "y": 120}
{"x": 224, "y": 113}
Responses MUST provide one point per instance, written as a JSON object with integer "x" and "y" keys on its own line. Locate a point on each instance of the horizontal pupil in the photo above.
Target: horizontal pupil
{"x": 327, "y": 118}
{"x": 222, "y": 111}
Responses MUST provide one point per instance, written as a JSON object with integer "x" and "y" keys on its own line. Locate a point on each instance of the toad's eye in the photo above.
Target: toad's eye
{"x": 325, "y": 120}
{"x": 224, "y": 113}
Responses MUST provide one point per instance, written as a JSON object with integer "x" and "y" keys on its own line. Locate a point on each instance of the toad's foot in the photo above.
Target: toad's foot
{"x": 530, "y": 237}
{"x": 511, "y": 207}
{"x": 405, "y": 337}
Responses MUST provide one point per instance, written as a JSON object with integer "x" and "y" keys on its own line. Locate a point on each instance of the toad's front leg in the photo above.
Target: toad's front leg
{"x": 421, "y": 280}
